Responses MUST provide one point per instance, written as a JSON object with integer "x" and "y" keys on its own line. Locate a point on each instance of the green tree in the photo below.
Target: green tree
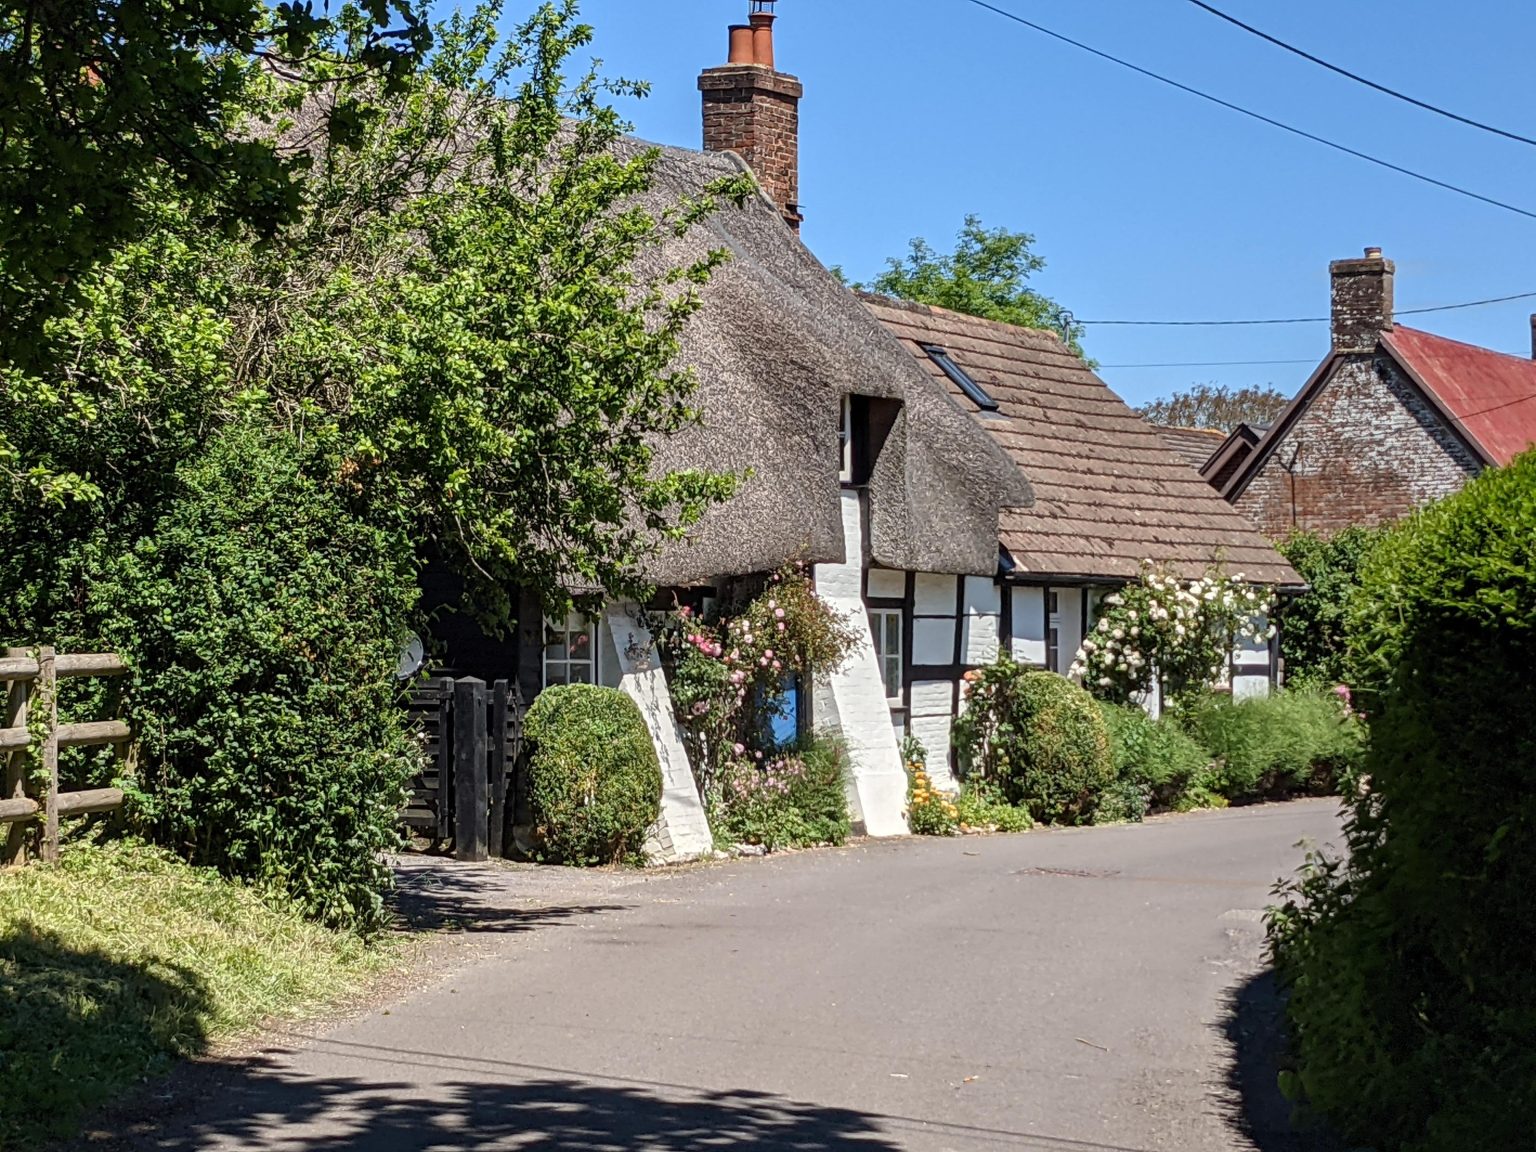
{"x": 987, "y": 275}
{"x": 1217, "y": 406}
{"x": 101, "y": 102}
{"x": 463, "y": 347}
{"x": 1315, "y": 638}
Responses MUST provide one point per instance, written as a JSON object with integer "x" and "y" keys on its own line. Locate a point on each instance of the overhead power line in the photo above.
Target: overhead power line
{"x": 1259, "y": 116}
{"x": 1296, "y": 319}
{"x": 1403, "y": 96}
{"x": 1210, "y": 363}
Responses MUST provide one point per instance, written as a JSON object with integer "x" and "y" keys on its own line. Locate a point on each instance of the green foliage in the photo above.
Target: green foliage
{"x": 987, "y": 275}
{"x": 264, "y": 625}
{"x": 983, "y": 806}
{"x": 1039, "y": 736}
{"x": 1410, "y": 990}
{"x": 794, "y": 800}
{"x": 104, "y": 105}
{"x": 593, "y": 778}
{"x": 1182, "y": 630}
{"x": 121, "y": 959}
{"x": 1301, "y": 740}
{"x": 1217, "y": 406}
{"x": 930, "y": 810}
{"x": 1158, "y": 766}
{"x": 450, "y": 350}
{"x": 1314, "y": 640}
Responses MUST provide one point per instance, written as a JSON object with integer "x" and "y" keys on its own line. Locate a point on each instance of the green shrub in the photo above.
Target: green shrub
{"x": 982, "y": 807}
{"x": 264, "y": 624}
{"x": 794, "y": 800}
{"x": 1157, "y": 764}
{"x": 1314, "y": 639}
{"x": 1301, "y": 740}
{"x": 1408, "y": 962}
{"x": 594, "y": 780}
{"x": 1038, "y": 735}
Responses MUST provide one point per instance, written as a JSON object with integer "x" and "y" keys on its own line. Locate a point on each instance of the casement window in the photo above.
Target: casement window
{"x": 1052, "y": 630}
{"x": 571, "y": 651}
{"x": 885, "y": 628}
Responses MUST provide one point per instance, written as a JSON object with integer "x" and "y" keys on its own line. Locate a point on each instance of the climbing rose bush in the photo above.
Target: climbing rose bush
{"x": 727, "y": 672}
{"x": 1183, "y": 630}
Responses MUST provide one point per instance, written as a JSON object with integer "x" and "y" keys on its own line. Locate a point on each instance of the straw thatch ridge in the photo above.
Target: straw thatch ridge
{"x": 776, "y": 345}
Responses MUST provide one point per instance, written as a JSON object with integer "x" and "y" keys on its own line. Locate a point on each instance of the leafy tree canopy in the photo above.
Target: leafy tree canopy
{"x": 1217, "y": 406}
{"x": 100, "y": 99}
{"x": 987, "y": 275}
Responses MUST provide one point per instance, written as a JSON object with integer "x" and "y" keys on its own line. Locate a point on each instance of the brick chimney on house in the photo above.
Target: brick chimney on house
{"x": 753, "y": 109}
{"x": 1362, "y": 301}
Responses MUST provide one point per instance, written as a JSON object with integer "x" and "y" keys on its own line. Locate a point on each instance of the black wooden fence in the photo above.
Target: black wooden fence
{"x": 469, "y": 791}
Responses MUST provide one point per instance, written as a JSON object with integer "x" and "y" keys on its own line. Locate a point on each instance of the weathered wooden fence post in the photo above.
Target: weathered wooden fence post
{"x": 471, "y": 757}
{"x": 17, "y": 697}
{"x": 48, "y": 698}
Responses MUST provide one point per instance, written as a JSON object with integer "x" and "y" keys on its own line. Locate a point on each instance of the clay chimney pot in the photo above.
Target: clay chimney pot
{"x": 742, "y": 44}
{"x": 762, "y": 38}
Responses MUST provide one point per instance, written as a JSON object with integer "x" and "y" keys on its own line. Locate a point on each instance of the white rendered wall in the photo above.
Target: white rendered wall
{"x": 887, "y": 584}
{"x": 852, "y": 700}
{"x": 681, "y": 832}
{"x": 1256, "y": 655}
{"x": 1069, "y": 601}
{"x": 983, "y": 603}
{"x": 1029, "y": 625}
{"x": 933, "y": 704}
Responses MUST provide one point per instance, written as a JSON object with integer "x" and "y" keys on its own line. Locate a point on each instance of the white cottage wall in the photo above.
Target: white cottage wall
{"x": 1029, "y": 625}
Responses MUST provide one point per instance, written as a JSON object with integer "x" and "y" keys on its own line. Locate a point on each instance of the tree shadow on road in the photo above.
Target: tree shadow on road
{"x": 1254, "y": 1025}
{"x": 474, "y": 900}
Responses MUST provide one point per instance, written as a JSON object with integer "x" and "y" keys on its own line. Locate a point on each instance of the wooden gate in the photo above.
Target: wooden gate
{"x": 467, "y": 791}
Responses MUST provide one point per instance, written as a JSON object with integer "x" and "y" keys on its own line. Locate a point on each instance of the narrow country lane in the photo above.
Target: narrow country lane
{"x": 1092, "y": 990}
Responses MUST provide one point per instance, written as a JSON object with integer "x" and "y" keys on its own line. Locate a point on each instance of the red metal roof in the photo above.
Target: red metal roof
{"x": 1491, "y": 395}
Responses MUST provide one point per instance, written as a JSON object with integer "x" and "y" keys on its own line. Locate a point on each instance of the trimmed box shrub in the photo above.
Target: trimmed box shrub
{"x": 1038, "y": 735}
{"x": 594, "y": 779}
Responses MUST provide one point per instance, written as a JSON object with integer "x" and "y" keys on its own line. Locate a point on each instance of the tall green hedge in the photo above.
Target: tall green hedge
{"x": 1409, "y": 964}
{"x": 1314, "y": 638}
{"x": 594, "y": 779}
{"x": 264, "y": 625}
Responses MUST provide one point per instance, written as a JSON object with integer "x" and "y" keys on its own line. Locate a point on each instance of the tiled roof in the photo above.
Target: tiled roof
{"x": 1197, "y": 445}
{"x": 1491, "y": 396}
{"x": 1108, "y": 491}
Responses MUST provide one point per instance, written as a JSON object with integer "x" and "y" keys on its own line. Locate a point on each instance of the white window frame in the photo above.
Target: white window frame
{"x": 879, "y": 619}
{"x": 575, "y": 624}
{"x": 845, "y": 439}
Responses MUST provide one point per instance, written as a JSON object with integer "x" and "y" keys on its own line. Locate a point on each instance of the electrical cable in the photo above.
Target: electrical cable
{"x": 1302, "y": 319}
{"x": 1259, "y": 116}
{"x": 1209, "y": 364}
{"x": 1428, "y": 107}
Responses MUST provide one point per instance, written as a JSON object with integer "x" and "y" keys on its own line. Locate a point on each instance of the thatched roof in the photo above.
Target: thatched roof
{"x": 1109, "y": 490}
{"x": 777, "y": 344}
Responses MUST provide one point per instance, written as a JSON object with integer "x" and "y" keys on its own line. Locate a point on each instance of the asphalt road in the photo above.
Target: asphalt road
{"x": 1095, "y": 990}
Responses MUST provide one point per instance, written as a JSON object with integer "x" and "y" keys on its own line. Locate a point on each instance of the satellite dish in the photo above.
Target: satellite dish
{"x": 413, "y": 657}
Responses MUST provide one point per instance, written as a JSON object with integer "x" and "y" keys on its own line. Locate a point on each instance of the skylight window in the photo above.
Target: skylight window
{"x": 978, "y": 395}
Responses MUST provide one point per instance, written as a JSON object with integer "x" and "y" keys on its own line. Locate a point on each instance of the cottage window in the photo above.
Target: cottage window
{"x": 885, "y": 628}
{"x": 1052, "y": 631}
{"x": 570, "y": 651}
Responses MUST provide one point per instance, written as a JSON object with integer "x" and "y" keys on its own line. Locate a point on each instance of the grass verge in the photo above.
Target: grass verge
{"x": 121, "y": 959}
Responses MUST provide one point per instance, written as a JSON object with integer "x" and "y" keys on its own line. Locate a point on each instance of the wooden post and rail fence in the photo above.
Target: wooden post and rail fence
{"x": 31, "y": 721}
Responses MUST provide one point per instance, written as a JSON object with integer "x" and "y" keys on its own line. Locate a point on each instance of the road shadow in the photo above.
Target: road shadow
{"x": 78, "y": 1026}
{"x": 1254, "y": 1025}
{"x": 461, "y": 899}
{"x": 275, "y": 1110}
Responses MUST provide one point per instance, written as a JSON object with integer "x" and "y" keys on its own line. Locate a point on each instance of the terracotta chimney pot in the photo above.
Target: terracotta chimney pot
{"x": 762, "y": 38}
{"x": 742, "y": 49}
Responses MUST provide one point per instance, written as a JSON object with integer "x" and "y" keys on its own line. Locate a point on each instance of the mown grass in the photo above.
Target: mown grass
{"x": 120, "y": 959}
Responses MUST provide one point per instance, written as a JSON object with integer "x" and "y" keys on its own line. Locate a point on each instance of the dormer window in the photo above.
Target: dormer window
{"x": 845, "y": 439}
{"x": 864, "y": 424}
{"x": 977, "y": 395}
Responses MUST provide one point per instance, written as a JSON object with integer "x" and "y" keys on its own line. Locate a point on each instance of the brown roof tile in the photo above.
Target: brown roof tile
{"x": 1109, "y": 489}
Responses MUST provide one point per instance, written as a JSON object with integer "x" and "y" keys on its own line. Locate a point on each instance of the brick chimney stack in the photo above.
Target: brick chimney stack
{"x": 1362, "y": 301}
{"x": 753, "y": 109}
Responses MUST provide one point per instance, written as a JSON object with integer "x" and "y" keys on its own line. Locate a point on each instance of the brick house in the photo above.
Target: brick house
{"x": 1393, "y": 418}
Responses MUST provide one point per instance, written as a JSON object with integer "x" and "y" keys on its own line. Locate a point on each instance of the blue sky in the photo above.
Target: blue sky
{"x": 1146, "y": 203}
